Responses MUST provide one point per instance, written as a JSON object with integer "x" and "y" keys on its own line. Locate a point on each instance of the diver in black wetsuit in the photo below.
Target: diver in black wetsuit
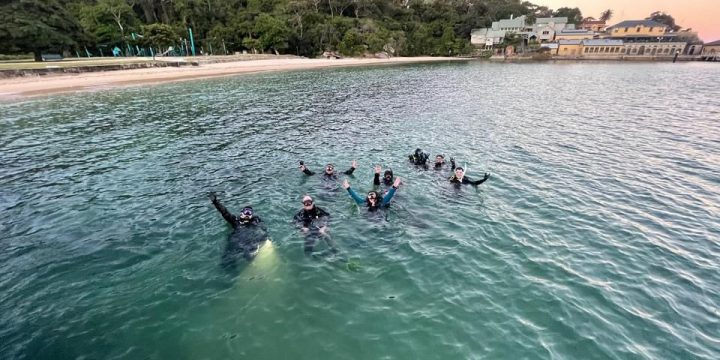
{"x": 440, "y": 162}
{"x": 419, "y": 158}
{"x": 329, "y": 173}
{"x": 249, "y": 233}
{"x": 387, "y": 179}
{"x": 459, "y": 178}
{"x": 314, "y": 222}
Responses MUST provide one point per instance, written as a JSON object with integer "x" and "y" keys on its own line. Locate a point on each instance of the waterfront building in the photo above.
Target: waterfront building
{"x": 570, "y": 48}
{"x": 637, "y": 28}
{"x": 552, "y": 47}
{"x": 494, "y": 35}
{"x": 594, "y": 25}
{"x": 486, "y": 37}
{"x": 545, "y": 28}
{"x": 576, "y": 34}
{"x": 602, "y": 48}
{"x": 648, "y": 38}
{"x": 711, "y": 49}
{"x": 650, "y": 49}
{"x": 693, "y": 49}
{"x": 543, "y": 31}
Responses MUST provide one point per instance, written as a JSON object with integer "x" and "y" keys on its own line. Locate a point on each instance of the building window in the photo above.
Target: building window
{"x": 637, "y": 30}
{"x": 651, "y": 29}
{"x": 546, "y": 32}
{"x": 626, "y": 29}
{"x": 587, "y": 50}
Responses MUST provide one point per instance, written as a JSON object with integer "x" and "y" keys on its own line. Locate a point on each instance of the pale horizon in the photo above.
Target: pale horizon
{"x": 702, "y": 16}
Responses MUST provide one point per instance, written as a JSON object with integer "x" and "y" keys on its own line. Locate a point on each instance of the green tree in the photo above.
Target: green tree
{"x": 665, "y": 19}
{"x": 512, "y": 38}
{"x": 352, "y": 44}
{"x": 574, "y": 15}
{"x": 606, "y": 15}
{"x": 273, "y": 32}
{"x": 37, "y": 26}
{"x": 108, "y": 21}
{"x": 159, "y": 36}
{"x": 303, "y": 27}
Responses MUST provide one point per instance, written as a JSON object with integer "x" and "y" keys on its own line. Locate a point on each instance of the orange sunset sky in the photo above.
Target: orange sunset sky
{"x": 702, "y": 16}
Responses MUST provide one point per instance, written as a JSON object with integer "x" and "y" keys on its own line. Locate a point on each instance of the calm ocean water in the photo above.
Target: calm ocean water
{"x": 596, "y": 237}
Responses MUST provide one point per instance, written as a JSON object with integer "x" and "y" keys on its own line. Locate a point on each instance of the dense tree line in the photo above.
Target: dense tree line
{"x": 301, "y": 27}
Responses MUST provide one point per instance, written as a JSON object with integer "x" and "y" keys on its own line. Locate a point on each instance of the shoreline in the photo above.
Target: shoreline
{"x": 21, "y": 88}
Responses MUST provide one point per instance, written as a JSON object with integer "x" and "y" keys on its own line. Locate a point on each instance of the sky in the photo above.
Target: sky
{"x": 702, "y": 16}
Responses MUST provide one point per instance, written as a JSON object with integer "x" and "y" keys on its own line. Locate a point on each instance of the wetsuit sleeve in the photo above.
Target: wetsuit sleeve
{"x": 478, "y": 182}
{"x": 224, "y": 212}
{"x": 308, "y": 172}
{"x": 261, "y": 224}
{"x": 376, "y": 179}
{"x": 298, "y": 218}
{"x": 323, "y": 217}
{"x": 355, "y": 196}
{"x": 350, "y": 171}
{"x": 386, "y": 199}
{"x": 452, "y": 164}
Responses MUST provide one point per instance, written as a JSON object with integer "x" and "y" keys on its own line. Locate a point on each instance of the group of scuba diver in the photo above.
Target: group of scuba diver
{"x": 250, "y": 232}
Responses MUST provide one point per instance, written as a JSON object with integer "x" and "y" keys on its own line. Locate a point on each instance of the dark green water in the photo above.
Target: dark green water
{"x": 597, "y": 236}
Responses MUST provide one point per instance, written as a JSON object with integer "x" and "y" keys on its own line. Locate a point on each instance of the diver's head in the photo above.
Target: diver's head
{"x": 388, "y": 175}
{"x": 459, "y": 172}
{"x": 329, "y": 169}
{"x": 372, "y": 198}
{"x": 308, "y": 203}
{"x": 439, "y": 159}
{"x": 418, "y": 151}
{"x": 246, "y": 214}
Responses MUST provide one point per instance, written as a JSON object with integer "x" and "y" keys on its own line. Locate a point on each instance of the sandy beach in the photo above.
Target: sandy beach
{"x": 23, "y": 87}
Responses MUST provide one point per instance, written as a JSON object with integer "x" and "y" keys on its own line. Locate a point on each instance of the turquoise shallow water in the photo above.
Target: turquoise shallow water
{"x": 597, "y": 236}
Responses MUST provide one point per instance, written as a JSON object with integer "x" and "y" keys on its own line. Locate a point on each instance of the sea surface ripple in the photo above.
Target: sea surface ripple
{"x": 597, "y": 235}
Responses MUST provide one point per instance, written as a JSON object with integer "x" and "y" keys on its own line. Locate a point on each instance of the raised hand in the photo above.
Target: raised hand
{"x": 397, "y": 182}
{"x": 346, "y": 184}
{"x": 212, "y": 196}
{"x": 354, "y": 164}
{"x": 378, "y": 169}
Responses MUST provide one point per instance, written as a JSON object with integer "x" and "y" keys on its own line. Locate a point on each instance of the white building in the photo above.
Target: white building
{"x": 494, "y": 35}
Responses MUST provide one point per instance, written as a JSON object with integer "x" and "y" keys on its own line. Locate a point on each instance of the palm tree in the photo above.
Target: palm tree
{"x": 606, "y": 15}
